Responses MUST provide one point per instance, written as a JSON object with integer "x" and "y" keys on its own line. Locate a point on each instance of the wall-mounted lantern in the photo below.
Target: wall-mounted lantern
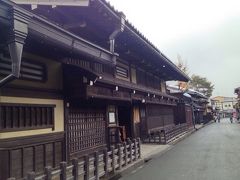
{"x": 91, "y": 83}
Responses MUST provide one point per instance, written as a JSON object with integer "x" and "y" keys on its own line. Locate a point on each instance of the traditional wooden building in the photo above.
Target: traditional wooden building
{"x": 75, "y": 78}
{"x": 199, "y": 103}
{"x": 183, "y": 112}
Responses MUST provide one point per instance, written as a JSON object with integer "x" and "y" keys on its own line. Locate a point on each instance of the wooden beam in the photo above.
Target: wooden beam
{"x": 65, "y": 39}
{"x": 54, "y": 2}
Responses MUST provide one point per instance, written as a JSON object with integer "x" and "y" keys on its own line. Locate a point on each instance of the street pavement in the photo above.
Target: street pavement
{"x": 212, "y": 153}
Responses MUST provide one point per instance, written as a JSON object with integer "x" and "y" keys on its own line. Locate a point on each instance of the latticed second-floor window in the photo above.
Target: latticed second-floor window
{"x": 122, "y": 72}
{"x": 30, "y": 70}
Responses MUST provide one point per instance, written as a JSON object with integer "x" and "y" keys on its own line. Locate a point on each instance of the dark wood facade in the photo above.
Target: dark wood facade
{"x": 70, "y": 95}
{"x": 183, "y": 112}
{"x": 22, "y": 155}
{"x": 199, "y": 103}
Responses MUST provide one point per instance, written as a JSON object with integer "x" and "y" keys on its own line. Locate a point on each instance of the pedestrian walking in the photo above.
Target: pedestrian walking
{"x": 218, "y": 117}
{"x": 231, "y": 118}
{"x": 215, "y": 117}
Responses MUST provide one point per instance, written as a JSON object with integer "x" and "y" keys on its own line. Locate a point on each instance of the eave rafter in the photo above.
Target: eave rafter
{"x": 53, "y": 34}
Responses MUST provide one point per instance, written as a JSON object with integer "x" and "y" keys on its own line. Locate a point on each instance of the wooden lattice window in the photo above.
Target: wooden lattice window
{"x": 108, "y": 70}
{"x": 15, "y": 117}
{"x": 98, "y": 67}
{"x": 86, "y": 130}
{"x": 122, "y": 72}
{"x": 30, "y": 70}
{"x": 141, "y": 77}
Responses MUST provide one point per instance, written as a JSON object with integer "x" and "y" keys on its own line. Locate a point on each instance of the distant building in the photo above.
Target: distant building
{"x": 199, "y": 102}
{"x": 223, "y": 104}
{"x": 196, "y": 104}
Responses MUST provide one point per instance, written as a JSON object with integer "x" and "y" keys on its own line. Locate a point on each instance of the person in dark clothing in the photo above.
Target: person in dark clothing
{"x": 231, "y": 118}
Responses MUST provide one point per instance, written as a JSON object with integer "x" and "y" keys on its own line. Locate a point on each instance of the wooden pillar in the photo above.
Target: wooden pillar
{"x": 48, "y": 173}
{"x": 125, "y": 153}
{"x": 106, "y": 162}
{"x": 63, "y": 168}
{"x": 135, "y": 149}
{"x": 139, "y": 147}
{"x": 31, "y": 176}
{"x": 119, "y": 156}
{"x": 96, "y": 165}
{"x": 130, "y": 150}
{"x": 113, "y": 159}
{"x": 86, "y": 167}
{"x": 75, "y": 168}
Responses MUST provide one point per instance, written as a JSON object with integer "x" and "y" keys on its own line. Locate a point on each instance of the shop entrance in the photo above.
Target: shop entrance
{"x": 124, "y": 119}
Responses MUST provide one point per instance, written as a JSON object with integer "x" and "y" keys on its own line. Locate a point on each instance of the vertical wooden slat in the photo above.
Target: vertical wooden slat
{"x": 39, "y": 158}
{"x": 32, "y": 120}
{"x": 8, "y": 118}
{"x": 139, "y": 147}
{"x": 48, "y": 173}
{"x": 159, "y": 136}
{"x": 11, "y": 116}
{"x": 4, "y": 111}
{"x": 28, "y": 160}
{"x": 20, "y": 117}
{"x": 63, "y": 168}
{"x": 54, "y": 154}
{"x": 125, "y": 153}
{"x": 31, "y": 176}
{"x": 29, "y": 117}
{"x": 106, "y": 162}
{"x": 75, "y": 168}
{"x": 135, "y": 149}
{"x": 130, "y": 150}
{"x": 52, "y": 118}
{"x": 25, "y": 117}
{"x": 119, "y": 156}
{"x": 96, "y": 165}
{"x": 15, "y": 122}
{"x": 86, "y": 167}
{"x": 1, "y": 117}
{"x": 113, "y": 159}
{"x": 16, "y": 167}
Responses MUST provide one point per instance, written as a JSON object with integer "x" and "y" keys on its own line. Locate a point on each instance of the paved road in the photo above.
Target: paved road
{"x": 212, "y": 153}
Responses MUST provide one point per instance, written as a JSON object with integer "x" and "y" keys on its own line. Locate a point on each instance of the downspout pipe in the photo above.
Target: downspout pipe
{"x": 120, "y": 28}
{"x": 17, "y": 36}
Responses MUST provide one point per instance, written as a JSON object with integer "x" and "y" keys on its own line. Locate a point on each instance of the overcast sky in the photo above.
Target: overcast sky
{"x": 205, "y": 33}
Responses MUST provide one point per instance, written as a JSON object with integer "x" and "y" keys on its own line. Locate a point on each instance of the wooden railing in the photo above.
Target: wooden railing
{"x": 173, "y": 132}
{"x": 166, "y": 134}
{"x": 93, "y": 167}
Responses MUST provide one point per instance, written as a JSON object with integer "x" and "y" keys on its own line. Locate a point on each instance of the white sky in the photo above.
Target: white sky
{"x": 206, "y": 33}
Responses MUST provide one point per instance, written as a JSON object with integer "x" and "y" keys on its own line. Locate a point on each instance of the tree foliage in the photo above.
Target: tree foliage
{"x": 201, "y": 84}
